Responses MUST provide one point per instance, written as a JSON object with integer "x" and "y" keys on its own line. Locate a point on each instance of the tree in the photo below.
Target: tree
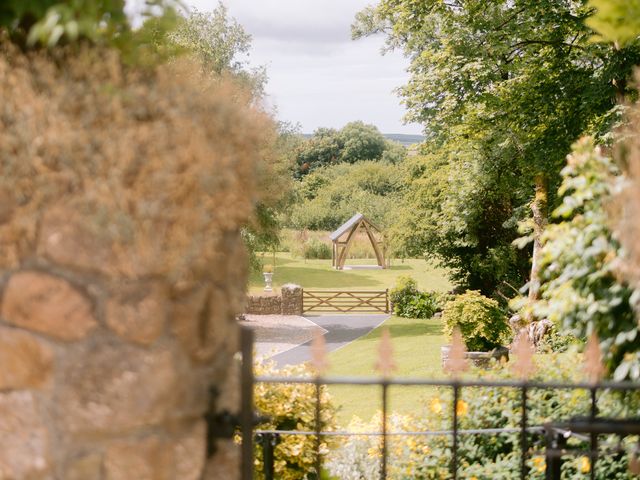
{"x": 361, "y": 142}
{"x": 355, "y": 142}
{"x": 518, "y": 81}
{"x": 218, "y": 41}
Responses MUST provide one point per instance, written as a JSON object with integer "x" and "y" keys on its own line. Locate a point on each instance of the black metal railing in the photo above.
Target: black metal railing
{"x": 553, "y": 435}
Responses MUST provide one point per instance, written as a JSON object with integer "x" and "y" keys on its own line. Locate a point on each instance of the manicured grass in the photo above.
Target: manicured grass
{"x": 319, "y": 274}
{"x": 416, "y": 346}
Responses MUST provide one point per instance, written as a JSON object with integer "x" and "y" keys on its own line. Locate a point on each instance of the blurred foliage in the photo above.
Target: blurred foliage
{"x": 291, "y": 407}
{"x": 331, "y": 195}
{"x": 355, "y": 142}
{"x": 616, "y": 20}
{"x": 495, "y": 456}
{"x": 582, "y": 292}
{"x": 48, "y": 23}
{"x": 481, "y": 321}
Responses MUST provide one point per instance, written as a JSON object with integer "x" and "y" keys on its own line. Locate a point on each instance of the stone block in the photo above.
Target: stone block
{"x": 24, "y": 444}
{"x": 292, "y": 299}
{"x": 190, "y": 452}
{"x": 200, "y": 322}
{"x": 264, "y": 305}
{"x": 47, "y": 304}
{"x": 146, "y": 459}
{"x": 25, "y": 361}
{"x": 113, "y": 388}
{"x": 137, "y": 313}
{"x": 66, "y": 238}
{"x": 87, "y": 467}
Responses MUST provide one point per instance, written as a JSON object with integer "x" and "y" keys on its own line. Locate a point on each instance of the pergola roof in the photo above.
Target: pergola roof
{"x": 346, "y": 226}
{"x": 350, "y": 227}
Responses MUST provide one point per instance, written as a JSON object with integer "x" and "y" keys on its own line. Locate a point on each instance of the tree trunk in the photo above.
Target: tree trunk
{"x": 539, "y": 210}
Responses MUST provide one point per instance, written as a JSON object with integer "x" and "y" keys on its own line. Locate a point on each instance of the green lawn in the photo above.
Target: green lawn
{"x": 319, "y": 274}
{"x": 416, "y": 346}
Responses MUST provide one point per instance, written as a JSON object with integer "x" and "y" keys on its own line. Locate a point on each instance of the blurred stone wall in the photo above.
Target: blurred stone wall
{"x": 122, "y": 196}
{"x": 109, "y": 379}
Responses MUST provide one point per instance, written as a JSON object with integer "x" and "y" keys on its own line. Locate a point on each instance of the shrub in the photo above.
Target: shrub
{"x": 317, "y": 249}
{"x": 409, "y": 302}
{"x": 481, "y": 321}
{"x": 289, "y": 407}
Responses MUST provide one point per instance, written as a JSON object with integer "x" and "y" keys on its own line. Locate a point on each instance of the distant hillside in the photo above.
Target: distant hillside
{"x": 403, "y": 138}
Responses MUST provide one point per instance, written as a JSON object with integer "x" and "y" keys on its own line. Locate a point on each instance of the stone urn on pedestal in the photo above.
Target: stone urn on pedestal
{"x": 267, "y": 273}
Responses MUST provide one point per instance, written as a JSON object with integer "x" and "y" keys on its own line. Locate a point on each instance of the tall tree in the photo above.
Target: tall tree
{"x": 519, "y": 79}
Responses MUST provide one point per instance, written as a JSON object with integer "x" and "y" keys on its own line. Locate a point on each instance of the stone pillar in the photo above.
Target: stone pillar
{"x": 292, "y": 299}
{"x": 109, "y": 379}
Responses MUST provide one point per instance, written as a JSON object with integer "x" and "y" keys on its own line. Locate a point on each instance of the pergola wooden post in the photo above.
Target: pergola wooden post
{"x": 343, "y": 237}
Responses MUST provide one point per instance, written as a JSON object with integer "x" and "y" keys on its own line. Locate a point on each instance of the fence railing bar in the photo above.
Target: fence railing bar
{"x": 447, "y": 383}
{"x": 426, "y": 433}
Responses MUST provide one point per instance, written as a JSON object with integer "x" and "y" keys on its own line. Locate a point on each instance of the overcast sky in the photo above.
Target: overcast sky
{"x": 318, "y": 76}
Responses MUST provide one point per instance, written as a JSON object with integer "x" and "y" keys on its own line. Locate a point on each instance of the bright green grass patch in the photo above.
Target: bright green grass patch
{"x": 416, "y": 347}
{"x": 320, "y": 274}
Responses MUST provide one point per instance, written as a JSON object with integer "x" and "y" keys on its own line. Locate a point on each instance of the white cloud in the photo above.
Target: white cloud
{"x": 318, "y": 76}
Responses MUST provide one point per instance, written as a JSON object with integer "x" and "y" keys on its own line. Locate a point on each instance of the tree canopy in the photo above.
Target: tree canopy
{"x": 355, "y": 142}
{"x": 511, "y": 82}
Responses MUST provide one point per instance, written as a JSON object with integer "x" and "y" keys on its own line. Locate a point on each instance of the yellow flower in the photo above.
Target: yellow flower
{"x": 436, "y": 405}
{"x": 585, "y": 464}
{"x": 539, "y": 464}
{"x": 462, "y": 407}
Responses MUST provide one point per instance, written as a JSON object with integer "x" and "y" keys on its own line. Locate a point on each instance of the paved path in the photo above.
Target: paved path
{"x": 340, "y": 330}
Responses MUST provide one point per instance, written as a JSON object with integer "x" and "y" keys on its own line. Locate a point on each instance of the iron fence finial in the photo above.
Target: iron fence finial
{"x": 319, "y": 352}
{"x": 523, "y": 350}
{"x": 385, "y": 364}
{"x": 593, "y": 366}
{"x": 457, "y": 362}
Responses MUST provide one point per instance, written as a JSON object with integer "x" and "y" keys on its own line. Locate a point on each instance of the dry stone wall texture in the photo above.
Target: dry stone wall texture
{"x": 288, "y": 302}
{"x": 122, "y": 267}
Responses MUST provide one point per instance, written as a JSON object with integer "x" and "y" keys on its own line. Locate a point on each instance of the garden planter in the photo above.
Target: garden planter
{"x": 268, "y": 281}
{"x": 478, "y": 359}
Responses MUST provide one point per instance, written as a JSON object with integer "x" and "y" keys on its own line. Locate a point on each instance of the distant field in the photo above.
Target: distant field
{"x": 320, "y": 274}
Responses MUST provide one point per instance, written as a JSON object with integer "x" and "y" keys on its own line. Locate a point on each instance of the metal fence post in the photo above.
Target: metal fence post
{"x": 523, "y": 435}
{"x": 246, "y": 414}
{"x": 268, "y": 441}
{"x": 454, "y": 450}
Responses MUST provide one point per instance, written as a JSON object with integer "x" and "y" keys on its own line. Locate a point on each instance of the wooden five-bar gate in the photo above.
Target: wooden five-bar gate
{"x": 345, "y": 301}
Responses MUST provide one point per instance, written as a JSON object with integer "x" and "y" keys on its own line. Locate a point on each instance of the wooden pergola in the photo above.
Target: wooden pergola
{"x": 343, "y": 237}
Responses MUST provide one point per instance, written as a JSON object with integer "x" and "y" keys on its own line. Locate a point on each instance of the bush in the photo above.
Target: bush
{"x": 289, "y": 407}
{"x": 481, "y": 321}
{"x": 316, "y": 249}
{"x": 409, "y": 302}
